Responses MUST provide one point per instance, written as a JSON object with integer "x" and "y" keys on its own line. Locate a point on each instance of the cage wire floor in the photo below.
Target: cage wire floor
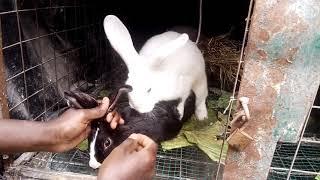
{"x": 183, "y": 163}
{"x": 308, "y": 159}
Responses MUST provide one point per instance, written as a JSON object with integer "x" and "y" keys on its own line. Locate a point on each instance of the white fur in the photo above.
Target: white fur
{"x": 169, "y": 64}
{"x": 93, "y": 163}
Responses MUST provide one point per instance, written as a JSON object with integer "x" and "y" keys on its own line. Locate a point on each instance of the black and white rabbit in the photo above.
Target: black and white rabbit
{"x": 167, "y": 67}
{"x": 160, "y": 124}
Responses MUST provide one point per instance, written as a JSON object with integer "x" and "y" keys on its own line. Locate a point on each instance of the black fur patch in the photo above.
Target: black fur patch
{"x": 1, "y": 166}
{"x": 162, "y": 123}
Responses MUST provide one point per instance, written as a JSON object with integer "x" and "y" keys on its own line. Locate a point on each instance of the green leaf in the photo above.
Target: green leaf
{"x": 179, "y": 142}
{"x": 202, "y": 134}
{"x": 206, "y": 140}
{"x": 83, "y": 145}
{"x": 103, "y": 93}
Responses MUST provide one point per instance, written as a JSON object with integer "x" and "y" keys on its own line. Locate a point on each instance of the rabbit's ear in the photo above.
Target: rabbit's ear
{"x": 169, "y": 48}
{"x": 120, "y": 39}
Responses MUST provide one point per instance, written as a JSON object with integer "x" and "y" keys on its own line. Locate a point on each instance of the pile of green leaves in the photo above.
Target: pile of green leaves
{"x": 203, "y": 134}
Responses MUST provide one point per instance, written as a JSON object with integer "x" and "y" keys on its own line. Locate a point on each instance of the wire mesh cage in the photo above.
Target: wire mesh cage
{"x": 51, "y": 46}
{"x": 42, "y": 57}
{"x": 186, "y": 163}
{"x": 306, "y": 164}
{"x": 300, "y": 160}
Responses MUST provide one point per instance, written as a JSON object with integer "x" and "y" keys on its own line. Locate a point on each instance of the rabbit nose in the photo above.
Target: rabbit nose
{"x": 93, "y": 163}
{"x": 137, "y": 107}
{"x": 128, "y": 87}
{"x": 131, "y": 105}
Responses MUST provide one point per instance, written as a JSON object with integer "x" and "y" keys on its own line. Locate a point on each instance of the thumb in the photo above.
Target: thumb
{"x": 144, "y": 141}
{"x": 98, "y": 111}
{"x": 129, "y": 145}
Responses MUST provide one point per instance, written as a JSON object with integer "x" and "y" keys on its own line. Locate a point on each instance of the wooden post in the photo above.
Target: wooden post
{"x": 281, "y": 78}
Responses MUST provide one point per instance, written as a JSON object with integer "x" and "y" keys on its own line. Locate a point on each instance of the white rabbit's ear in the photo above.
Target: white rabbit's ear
{"x": 169, "y": 48}
{"x": 120, "y": 39}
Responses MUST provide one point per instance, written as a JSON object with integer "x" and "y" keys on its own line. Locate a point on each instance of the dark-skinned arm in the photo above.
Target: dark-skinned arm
{"x": 58, "y": 135}
{"x": 25, "y": 136}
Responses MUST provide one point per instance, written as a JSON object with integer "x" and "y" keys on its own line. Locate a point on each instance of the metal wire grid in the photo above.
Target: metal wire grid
{"x": 236, "y": 83}
{"x": 73, "y": 161}
{"x": 181, "y": 163}
{"x": 184, "y": 163}
{"x": 306, "y": 165}
{"x": 282, "y": 174}
{"x": 297, "y": 160}
{"x": 38, "y": 97}
{"x": 187, "y": 163}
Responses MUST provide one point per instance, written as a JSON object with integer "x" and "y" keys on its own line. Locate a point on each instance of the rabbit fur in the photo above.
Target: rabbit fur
{"x": 160, "y": 124}
{"x": 167, "y": 67}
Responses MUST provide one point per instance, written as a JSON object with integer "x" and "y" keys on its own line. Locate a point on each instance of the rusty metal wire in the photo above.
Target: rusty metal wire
{"x": 183, "y": 163}
{"x": 200, "y": 22}
{"x": 300, "y": 140}
{"x": 299, "y": 160}
{"x": 306, "y": 161}
{"x": 232, "y": 98}
{"x": 27, "y": 70}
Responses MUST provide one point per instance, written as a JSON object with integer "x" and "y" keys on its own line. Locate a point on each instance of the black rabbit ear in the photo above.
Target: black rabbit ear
{"x": 71, "y": 100}
{"x": 80, "y": 100}
{"x": 122, "y": 90}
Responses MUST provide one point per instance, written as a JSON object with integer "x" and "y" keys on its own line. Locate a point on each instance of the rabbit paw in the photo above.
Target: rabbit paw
{"x": 201, "y": 113}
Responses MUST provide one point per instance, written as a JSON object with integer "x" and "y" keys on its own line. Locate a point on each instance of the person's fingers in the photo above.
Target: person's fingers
{"x": 144, "y": 141}
{"x": 121, "y": 121}
{"x": 113, "y": 124}
{"x": 139, "y": 148}
{"x": 109, "y": 117}
{"x": 96, "y": 112}
{"x": 129, "y": 145}
{"x": 116, "y": 117}
{"x": 115, "y": 121}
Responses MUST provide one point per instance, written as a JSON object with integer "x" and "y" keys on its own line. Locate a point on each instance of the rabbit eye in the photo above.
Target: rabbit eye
{"x": 149, "y": 90}
{"x": 107, "y": 143}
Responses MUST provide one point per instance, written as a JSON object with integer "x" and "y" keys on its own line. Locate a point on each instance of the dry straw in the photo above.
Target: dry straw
{"x": 222, "y": 57}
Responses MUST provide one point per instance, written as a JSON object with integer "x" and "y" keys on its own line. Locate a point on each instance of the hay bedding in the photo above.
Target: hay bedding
{"x": 221, "y": 55}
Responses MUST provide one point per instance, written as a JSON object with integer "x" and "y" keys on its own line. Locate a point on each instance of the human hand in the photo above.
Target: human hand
{"x": 133, "y": 159}
{"x": 73, "y": 126}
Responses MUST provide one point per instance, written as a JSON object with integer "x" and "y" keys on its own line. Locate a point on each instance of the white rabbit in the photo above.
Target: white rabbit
{"x": 168, "y": 67}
